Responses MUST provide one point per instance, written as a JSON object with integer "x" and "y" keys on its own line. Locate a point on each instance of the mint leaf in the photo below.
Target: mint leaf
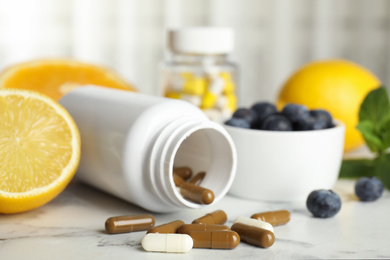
{"x": 382, "y": 169}
{"x": 357, "y": 168}
{"x": 379, "y": 167}
{"x": 374, "y": 120}
{"x": 370, "y": 136}
{"x": 375, "y": 107}
{"x": 384, "y": 133}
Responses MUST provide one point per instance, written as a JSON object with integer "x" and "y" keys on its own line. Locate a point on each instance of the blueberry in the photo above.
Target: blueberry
{"x": 309, "y": 123}
{"x": 323, "y": 116}
{"x": 295, "y": 112}
{"x": 245, "y": 113}
{"x": 262, "y": 110}
{"x": 368, "y": 188}
{"x": 323, "y": 203}
{"x": 276, "y": 122}
{"x": 238, "y": 122}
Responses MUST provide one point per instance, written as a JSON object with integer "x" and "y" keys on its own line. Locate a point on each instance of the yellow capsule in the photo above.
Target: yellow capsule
{"x": 231, "y": 101}
{"x": 195, "y": 86}
{"x": 187, "y": 75}
{"x": 172, "y": 94}
{"x": 229, "y": 88}
{"x": 226, "y": 75}
{"x": 209, "y": 100}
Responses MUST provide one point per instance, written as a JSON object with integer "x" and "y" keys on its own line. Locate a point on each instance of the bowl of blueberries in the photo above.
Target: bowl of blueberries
{"x": 284, "y": 155}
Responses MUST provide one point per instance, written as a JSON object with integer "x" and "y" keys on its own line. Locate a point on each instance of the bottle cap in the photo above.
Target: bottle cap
{"x": 201, "y": 40}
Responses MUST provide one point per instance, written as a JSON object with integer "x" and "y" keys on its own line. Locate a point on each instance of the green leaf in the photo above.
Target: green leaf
{"x": 384, "y": 133}
{"x": 374, "y": 120}
{"x": 357, "y": 168}
{"x": 372, "y": 139}
{"x": 382, "y": 169}
{"x": 375, "y": 107}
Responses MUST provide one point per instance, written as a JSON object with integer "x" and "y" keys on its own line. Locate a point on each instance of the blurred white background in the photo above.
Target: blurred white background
{"x": 273, "y": 37}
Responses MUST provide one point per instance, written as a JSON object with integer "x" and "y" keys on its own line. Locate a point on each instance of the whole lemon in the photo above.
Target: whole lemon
{"x": 338, "y": 86}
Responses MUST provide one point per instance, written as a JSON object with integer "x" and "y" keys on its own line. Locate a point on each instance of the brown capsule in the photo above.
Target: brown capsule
{"x": 177, "y": 180}
{"x": 254, "y": 235}
{"x": 196, "y": 193}
{"x": 126, "y": 224}
{"x": 275, "y": 218}
{"x": 170, "y": 227}
{"x": 215, "y": 239}
{"x": 184, "y": 172}
{"x": 198, "y": 178}
{"x": 215, "y": 217}
{"x": 186, "y": 228}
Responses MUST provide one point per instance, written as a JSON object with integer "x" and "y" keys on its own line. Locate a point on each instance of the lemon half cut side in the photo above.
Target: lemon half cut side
{"x": 39, "y": 149}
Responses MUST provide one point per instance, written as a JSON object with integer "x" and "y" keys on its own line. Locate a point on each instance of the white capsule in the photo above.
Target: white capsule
{"x": 213, "y": 114}
{"x": 195, "y": 100}
{"x": 216, "y": 86}
{"x": 169, "y": 243}
{"x": 254, "y": 223}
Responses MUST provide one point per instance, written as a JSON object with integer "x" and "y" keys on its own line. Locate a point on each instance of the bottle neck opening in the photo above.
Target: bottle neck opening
{"x": 202, "y": 146}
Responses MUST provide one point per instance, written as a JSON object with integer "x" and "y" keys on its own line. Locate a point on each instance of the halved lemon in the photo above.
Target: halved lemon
{"x": 39, "y": 149}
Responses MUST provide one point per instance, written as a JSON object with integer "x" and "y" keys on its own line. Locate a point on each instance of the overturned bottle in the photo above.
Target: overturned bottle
{"x": 131, "y": 142}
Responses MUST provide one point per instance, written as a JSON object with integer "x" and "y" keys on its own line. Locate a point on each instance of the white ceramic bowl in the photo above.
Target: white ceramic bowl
{"x": 286, "y": 166}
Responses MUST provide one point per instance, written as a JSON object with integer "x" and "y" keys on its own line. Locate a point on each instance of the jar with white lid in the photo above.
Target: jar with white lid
{"x": 131, "y": 142}
{"x": 197, "y": 70}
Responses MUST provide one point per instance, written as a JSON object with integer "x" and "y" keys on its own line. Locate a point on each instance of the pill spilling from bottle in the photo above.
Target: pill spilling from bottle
{"x": 207, "y": 231}
{"x": 192, "y": 190}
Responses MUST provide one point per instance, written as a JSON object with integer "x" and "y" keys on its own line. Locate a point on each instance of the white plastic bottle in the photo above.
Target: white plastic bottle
{"x": 131, "y": 142}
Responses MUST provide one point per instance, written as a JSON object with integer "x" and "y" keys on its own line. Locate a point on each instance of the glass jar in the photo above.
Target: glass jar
{"x": 198, "y": 70}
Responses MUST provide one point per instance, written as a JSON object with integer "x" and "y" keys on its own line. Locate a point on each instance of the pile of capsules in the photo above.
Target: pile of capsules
{"x": 213, "y": 92}
{"x": 207, "y": 231}
{"x": 190, "y": 189}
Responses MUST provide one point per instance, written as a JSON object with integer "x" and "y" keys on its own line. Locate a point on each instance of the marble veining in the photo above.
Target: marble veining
{"x": 72, "y": 227}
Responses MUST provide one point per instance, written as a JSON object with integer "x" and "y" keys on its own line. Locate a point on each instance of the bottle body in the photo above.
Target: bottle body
{"x": 207, "y": 81}
{"x": 197, "y": 70}
{"x": 132, "y": 141}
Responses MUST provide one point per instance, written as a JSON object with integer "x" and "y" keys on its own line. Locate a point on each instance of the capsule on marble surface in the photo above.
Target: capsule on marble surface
{"x": 255, "y": 223}
{"x": 198, "y": 178}
{"x": 126, "y": 224}
{"x": 196, "y": 193}
{"x": 184, "y": 172}
{"x": 169, "y": 243}
{"x": 186, "y": 228}
{"x": 254, "y": 235}
{"x": 170, "y": 227}
{"x": 275, "y": 218}
{"x": 215, "y": 239}
{"x": 215, "y": 217}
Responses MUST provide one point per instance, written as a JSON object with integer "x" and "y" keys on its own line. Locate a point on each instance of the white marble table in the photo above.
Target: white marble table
{"x": 72, "y": 227}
